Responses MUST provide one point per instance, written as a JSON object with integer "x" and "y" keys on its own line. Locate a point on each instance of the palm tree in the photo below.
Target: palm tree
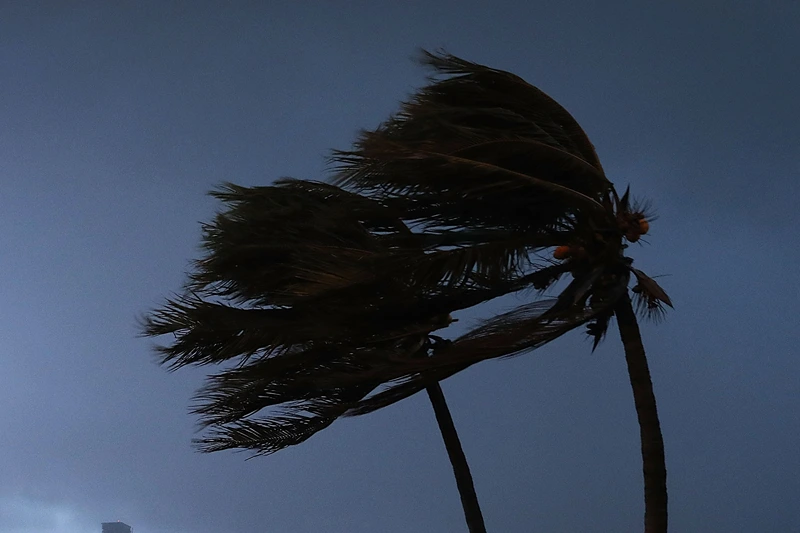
{"x": 328, "y": 294}
{"x": 488, "y": 160}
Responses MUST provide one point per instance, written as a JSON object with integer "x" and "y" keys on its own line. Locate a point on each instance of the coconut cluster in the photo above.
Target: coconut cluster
{"x": 632, "y": 225}
{"x": 567, "y": 251}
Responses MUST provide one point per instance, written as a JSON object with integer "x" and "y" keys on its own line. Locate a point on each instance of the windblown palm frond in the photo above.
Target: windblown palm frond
{"x": 289, "y": 243}
{"x": 479, "y": 149}
{"x": 276, "y": 245}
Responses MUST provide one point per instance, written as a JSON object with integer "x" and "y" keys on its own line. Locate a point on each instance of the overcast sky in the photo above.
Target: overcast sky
{"x": 118, "y": 117}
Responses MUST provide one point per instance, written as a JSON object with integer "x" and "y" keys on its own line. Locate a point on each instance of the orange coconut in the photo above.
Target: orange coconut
{"x": 562, "y": 252}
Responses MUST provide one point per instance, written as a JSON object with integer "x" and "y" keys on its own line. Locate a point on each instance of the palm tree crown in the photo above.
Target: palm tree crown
{"x": 326, "y": 295}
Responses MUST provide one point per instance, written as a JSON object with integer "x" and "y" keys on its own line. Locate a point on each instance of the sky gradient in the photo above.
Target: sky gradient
{"x": 116, "y": 121}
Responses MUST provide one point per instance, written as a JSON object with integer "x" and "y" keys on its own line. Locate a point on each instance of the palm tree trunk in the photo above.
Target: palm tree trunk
{"x": 469, "y": 500}
{"x": 654, "y": 464}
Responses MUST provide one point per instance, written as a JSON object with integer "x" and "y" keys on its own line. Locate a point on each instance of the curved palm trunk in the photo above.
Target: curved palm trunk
{"x": 655, "y": 470}
{"x": 469, "y": 500}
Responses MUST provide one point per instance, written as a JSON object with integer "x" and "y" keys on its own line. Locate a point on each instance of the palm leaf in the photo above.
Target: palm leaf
{"x": 480, "y": 148}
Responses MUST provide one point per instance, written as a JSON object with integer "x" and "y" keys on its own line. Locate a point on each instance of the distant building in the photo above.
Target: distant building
{"x": 116, "y": 527}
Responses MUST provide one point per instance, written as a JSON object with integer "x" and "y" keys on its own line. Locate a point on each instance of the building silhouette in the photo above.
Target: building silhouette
{"x": 116, "y": 527}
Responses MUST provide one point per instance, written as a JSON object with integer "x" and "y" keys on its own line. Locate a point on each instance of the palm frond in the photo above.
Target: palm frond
{"x": 269, "y": 434}
{"x": 510, "y": 334}
{"x": 477, "y": 86}
{"x": 208, "y": 332}
{"x": 294, "y": 239}
{"x": 480, "y": 148}
{"x": 649, "y": 297}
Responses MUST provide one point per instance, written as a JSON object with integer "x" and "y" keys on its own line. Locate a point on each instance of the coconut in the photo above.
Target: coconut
{"x": 562, "y": 252}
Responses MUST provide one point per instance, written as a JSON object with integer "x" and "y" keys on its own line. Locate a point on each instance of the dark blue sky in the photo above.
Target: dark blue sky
{"x": 117, "y": 120}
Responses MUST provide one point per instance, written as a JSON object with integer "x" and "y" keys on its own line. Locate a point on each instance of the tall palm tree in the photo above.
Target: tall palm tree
{"x": 328, "y": 294}
{"x": 483, "y": 155}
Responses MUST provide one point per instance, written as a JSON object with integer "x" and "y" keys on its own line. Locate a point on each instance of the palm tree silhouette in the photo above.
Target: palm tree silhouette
{"x": 327, "y": 295}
